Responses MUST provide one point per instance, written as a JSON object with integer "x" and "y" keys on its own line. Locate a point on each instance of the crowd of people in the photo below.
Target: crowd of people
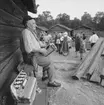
{"x": 80, "y": 42}
{"x": 37, "y": 47}
{"x": 63, "y": 42}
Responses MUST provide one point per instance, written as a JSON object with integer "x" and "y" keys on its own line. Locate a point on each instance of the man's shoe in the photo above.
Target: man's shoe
{"x": 53, "y": 84}
{"x": 44, "y": 78}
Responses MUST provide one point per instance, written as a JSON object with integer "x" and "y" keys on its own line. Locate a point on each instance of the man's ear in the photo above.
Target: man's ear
{"x": 27, "y": 24}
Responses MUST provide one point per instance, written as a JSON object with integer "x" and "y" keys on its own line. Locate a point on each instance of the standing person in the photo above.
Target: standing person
{"x": 84, "y": 42}
{"x": 81, "y": 49}
{"x": 77, "y": 43}
{"x": 45, "y": 37}
{"x": 32, "y": 45}
{"x": 61, "y": 42}
{"x": 65, "y": 48}
{"x": 93, "y": 39}
{"x": 58, "y": 43}
{"x": 69, "y": 42}
{"x": 56, "y": 36}
{"x": 42, "y": 42}
{"x": 60, "y": 34}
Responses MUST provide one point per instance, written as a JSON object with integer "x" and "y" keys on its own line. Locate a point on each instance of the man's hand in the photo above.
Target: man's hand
{"x": 43, "y": 51}
{"x": 43, "y": 45}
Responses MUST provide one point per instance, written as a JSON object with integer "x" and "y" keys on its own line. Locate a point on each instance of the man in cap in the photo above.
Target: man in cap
{"x": 32, "y": 45}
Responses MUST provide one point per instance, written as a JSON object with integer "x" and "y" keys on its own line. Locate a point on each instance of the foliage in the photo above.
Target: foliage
{"x": 97, "y": 22}
{"x": 98, "y": 17}
{"x": 75, "y": 23}
{"x": 63, "y": 19}
{"x": 86, "y": 19}
{"x": 45, "y": 19}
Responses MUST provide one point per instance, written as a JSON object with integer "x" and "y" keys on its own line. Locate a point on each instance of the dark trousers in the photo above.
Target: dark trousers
{"x": 92, "y": 44}
{"x": 58, "y": 47}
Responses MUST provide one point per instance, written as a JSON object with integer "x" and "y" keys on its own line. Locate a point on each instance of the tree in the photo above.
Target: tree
{"x": 75, "y": 23}
{"x": 98, "y": 20}
{"x": 101, "y": 24}
{"x": 64, "y": 16}
{"x": 86, "y": 19}
{"x": 98, "y": 17}
{"x": 63, "y": 19}
{"x": 45, "y": 19}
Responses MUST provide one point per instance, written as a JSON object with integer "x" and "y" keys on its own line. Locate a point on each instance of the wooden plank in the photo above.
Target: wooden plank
{"x": 95, "y": 77}
{"x": 10, "y": 67}
{"x": 9, "y": 34}
{"x": 9, "y": 19}
{"x": 9, "y": 41}
{"x": 9, "y": 7}
{"x": 98, "y": 73}
{"x": 84, "y": 66}
{"x": 102, "y": 54}
{"x": 7, "y": 51}
{"x": 102, "y": 77}
{"x": 17, "y": 10}
{"x": 95, "y": 63}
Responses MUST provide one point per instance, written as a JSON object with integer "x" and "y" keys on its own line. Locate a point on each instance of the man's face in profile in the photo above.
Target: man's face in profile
{"x": 31, "y": 24}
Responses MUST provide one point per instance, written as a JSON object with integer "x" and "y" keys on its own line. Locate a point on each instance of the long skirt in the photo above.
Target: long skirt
{"x": 65, "y": 47}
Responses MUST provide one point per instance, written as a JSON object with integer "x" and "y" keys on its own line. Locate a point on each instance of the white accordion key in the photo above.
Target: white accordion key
{"x": 24, "y": 88}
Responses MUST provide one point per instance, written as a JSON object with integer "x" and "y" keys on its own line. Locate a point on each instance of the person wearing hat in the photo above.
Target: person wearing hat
{"x": 65, "y": 48}
{"x": 32, "y": 45}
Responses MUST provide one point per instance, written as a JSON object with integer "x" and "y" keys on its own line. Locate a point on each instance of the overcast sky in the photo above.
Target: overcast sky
{"x": 74, "y": 8}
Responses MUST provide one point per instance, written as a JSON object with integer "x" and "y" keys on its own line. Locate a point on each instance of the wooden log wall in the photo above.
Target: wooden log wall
{"x": 10, "y": 54}
{"x": 11, "y": 16}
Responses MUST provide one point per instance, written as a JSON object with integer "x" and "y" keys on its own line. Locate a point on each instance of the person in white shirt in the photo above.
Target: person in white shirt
{"x": 65, "y": 48}
{"x": 93, "y": 39}
{"x": 32, "y": 45}
{"x": 69, "y": 42}
{"x": 47, "y": 38}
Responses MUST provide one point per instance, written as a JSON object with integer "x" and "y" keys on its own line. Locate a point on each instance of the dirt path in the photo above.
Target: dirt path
{"x": 72, "y": 92}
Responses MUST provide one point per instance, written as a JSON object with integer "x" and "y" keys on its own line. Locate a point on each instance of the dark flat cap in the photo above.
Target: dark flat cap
{"x": 25, "y": 19}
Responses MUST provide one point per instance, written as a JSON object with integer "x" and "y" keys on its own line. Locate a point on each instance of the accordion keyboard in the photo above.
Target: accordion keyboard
{"x": 23, "y": 88}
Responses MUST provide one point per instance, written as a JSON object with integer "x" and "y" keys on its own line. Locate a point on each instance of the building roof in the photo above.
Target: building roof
{"x": 62, "y": 26}
{"x": 83, "y": 26}
{"x": 42, "y": 28}
{"x": 30, "y": 5}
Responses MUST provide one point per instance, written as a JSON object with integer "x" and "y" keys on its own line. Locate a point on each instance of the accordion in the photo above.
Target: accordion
{"x": 50, "y": 49}
{"x": 23, "y": 89}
